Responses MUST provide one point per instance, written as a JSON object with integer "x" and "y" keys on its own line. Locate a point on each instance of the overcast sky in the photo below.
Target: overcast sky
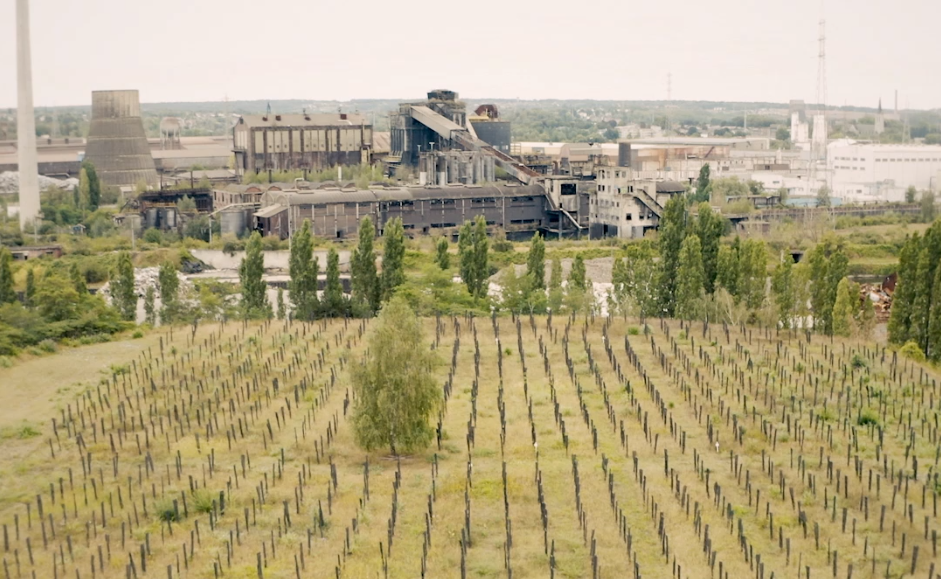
{"x": 735, "y": 50}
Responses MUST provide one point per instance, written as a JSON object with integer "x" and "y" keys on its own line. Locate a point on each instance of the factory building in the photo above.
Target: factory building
{"x": 876, "y": 172}
{"x": 335, "y": 213}
{"x": 117, "y": 144}
{"x": 490, "y": 129}
{"x": 307, "y": 142}
{"x": 625, "y": 205}
{"x": 411, "y": 130}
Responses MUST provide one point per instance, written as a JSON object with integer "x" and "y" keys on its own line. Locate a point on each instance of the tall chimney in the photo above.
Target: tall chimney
{"x": 26, "y": 123}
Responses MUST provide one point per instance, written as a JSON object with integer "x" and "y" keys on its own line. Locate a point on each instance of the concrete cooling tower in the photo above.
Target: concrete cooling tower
{"x": 117, "y": 145}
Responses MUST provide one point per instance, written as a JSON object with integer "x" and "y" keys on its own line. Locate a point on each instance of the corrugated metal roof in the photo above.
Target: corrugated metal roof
{"x": 437, "y": 123}
{"x": 270, "y": 211}
{"x": 311, "y": 120}
{"x": 382, "y": 142}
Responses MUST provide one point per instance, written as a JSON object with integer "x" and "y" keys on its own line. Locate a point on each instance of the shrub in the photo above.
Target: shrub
{"x": 164, "y": 510}
{"x": 912, "y": 351}
{"x": 153, "y": 236}
{"x": 202, "y": 501}
{"x": 858, "y": 362}
{"x": 633, "y": 331}
{"x": 48, "y": 346}
{"x": 26, "y": 431}
{"x": 868, "y": 417}
{"x": 137, "y": 334}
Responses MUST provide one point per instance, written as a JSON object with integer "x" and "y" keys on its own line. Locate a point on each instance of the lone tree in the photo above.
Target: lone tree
{"x": 303, "y": 268}
{"x": 123, "y": 294}
{"x": 442, "y": 257}
{"x": 393, "y": 256}
{"x": 396, "y": 392}
{"x": 254, "y": 301}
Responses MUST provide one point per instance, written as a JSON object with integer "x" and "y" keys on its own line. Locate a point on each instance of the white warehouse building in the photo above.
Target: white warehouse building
{"x": 861, "y": 171}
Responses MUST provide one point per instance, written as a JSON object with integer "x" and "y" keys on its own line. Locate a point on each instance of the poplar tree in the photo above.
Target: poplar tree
{"x": 536, "y": 262}
{"x": 578, "y": 276}
{"x": 31, "y": 287}
{"x": 752, "y": 273}
{"x": 556, "y": 295}
{"x": 254, "y": 300}
{"x": 465, "y": 255}
{"x": 934, "y": 322}
{"x": 303, "y": 268}
{"x": 709, "y": 229}
{"x": 7, "y": 294}
{"x": 94, "y": 185}
{"x": 334, "y": 303}
{"x": 169, "y": 293}
{"x": 395, "y": 392}
{"x": 689, "y": 286}
{"x": 845, "y": 308}
{"x": 784, "y": 291}
{"x": 393, "y": 258}
{"x": 442, "y": 257}
{"x": 150, "y": 310}
{"x": 364, "y": 279}
{"x": 280, "y": 302}
{"x": 123, "y": 293}
{"x": 672, "y": 234}
{"x": 900, "y": 318}
{"x": 478, "y": 258}
{"x": 921, "y": 305}
{"x": 828, "y": 265}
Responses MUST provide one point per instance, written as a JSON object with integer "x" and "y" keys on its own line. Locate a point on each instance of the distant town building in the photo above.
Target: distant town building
{"x": 881, "y": 172}
{"x": 308, "y": 142}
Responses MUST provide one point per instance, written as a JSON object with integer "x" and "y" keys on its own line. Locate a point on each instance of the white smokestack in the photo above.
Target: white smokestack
{"x": 26, "y": 123}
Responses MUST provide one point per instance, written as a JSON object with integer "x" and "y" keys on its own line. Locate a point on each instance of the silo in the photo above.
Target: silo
{"x": 117, "y": 145}
{"x": 624, "y": 154}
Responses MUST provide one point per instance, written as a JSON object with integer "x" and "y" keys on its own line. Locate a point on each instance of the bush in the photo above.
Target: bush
{"x": 859, "y": 362}
{"x": 137, "y": 334}
{"x": 202, "y": 501}
{"x": 153, "y": 236}
{"x": 48, "y": 346}
{"x": 912, "y": 351}
{"x": 868, "y": 417}
{"x": 164, "y": 511}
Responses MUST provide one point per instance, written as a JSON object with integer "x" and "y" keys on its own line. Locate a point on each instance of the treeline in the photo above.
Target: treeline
{"x": 915, "y": 321}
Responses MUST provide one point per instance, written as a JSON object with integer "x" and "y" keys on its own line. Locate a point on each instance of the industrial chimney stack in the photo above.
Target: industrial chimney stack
{"x": 26, "y": 122}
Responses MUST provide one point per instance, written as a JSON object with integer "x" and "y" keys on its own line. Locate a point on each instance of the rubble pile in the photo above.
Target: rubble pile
{"x": 148, "y": 277}
{"x": 10, "y": 182}
{"x": 880, "y": 297}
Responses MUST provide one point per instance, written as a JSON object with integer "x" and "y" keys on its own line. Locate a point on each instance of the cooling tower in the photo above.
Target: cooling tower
{"x": 117, "y": 145}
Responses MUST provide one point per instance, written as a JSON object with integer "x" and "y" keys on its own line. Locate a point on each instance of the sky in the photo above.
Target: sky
{"x": 721, "y": 50}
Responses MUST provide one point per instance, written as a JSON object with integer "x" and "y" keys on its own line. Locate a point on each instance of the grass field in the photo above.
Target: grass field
{"x": 616, "y": 449}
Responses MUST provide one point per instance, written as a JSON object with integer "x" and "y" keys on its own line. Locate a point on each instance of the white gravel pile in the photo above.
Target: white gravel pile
{"x": 10, "y": 182}
{"x": 146, "y": 277}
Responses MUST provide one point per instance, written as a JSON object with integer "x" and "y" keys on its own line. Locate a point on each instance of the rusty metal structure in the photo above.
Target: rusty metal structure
{"x": 307, "y": 142}
{"x": 117, "y": 145}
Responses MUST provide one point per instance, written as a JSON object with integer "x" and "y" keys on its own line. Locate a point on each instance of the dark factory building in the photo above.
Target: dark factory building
{"x": 335, "y": 213}
{"x": 300, "y": 142}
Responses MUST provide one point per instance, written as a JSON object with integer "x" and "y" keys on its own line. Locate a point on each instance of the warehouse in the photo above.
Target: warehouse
{"x": 335, "y": 213}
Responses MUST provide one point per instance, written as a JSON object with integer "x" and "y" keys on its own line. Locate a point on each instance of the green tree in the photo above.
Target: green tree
{"x": 84, "y": 191}
{"x": 784, "y": 291}
{"x": 921, "y": 305}
{"x": 56, "y": 299}
{"x": 334, "y": 303}
{"x": 845, "y": 308}
{"x": 900, "y": 318}
{"x": 31, "y": 287}
{"x": 783, "y": 193}
{"x": 702, "y": 185}
{"x": 465, "y": 255}
{"x": 536, "y": 262}
{"x": 672, "y": 234}
{"x": 280, "y": 302}
{"x": 150, "y": 310}
{"x": 689, "y": 288}
{"x": 556, "y": 294}
{"x": 442, "y": 257}
{"x": 254, "y": 300}
{"x": 578, "y": 276}
{"x": 752, "y": 273}
{"x": 934, "y": 322}
{"x": 911, "y": 194}
{"x": 364, "y": 279}
{"x": 865, "y": 319}
{"x": 727, "y": 266}
{"x": 476, "y": 259}
{"x": 709, "y": 229}
{"x": 78, "y": 280}
{"x": 94, "y": 185}
{"x": 928, "y": 209}
{"x": 7, "y": 294}
{"x": 828, "y": 265}
{"x": 303, "y": 268}
{"x": 823, "y": 197}
{"x": 395, "y": 389}
{"x": 634, "y": 280}
{"x": 393, "y": 258}
{"x": 169, "y": 293}
{"x": 782, "y": 134}
{"x": 123, "y": 293}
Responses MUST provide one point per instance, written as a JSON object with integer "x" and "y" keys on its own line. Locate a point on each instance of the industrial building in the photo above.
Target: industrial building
{"x": 117, "y": 145}
{"x": 335, "y": 213}
{"x": 306, "y": 142}
{"x": 875, "y": 172}
{"x": 490, "y": 129}
{"x": 625, "y": 205}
